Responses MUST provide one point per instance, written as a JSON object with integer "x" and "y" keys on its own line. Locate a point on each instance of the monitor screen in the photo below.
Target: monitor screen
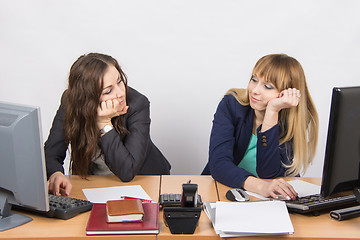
{"x": 342, "y": 157}
{"x": 22, "y": 166}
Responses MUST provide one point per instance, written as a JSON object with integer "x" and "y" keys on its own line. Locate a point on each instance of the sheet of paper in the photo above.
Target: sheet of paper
{"x": 209, "y": 209}
{"x": 252, "y": 218}
{"x": 101, "y": 195}
{"x": 301, "y": 187}
{"x": 304, "y": 188}
{"x": 229, "y": 235}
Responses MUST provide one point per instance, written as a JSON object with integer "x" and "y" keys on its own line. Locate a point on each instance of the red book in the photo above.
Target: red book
{"x": 97, "y": 224}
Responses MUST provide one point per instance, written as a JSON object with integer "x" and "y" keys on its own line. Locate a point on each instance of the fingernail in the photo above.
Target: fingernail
{"x": 288, "y": 198}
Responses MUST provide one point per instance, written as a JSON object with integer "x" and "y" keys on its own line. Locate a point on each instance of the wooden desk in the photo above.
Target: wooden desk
{"x": 306, "y": 227}
{"x": 208, "y": 192}
{"x": 74, "y": 228}
{"x": 309, "y": 226}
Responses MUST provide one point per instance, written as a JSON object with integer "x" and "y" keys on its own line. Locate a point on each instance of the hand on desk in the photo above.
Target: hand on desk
{"x": 270, "y": 188}
{"x": 58, "y": 184}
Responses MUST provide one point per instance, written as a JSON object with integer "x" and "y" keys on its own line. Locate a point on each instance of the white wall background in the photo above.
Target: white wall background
{"x": 182, "y": 54}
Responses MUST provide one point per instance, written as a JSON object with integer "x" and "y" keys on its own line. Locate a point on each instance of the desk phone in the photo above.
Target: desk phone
{"x": 182, "y": 211}
{"x": 174, "y": 200}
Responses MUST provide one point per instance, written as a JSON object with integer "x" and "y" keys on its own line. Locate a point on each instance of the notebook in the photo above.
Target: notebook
{"x": 97, "y": 224}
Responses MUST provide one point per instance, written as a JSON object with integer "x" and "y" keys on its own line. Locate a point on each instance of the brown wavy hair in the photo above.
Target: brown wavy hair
{"x": 298, "y": 125}
{"x": 83, "y": 98}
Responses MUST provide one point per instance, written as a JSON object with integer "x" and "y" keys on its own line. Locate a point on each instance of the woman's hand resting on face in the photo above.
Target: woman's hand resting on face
{"x": 287, "y": 98}
{"x": 109, "y": 109}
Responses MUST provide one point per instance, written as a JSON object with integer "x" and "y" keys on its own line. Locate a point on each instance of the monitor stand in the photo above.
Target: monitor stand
{"x": 9, "y": 220}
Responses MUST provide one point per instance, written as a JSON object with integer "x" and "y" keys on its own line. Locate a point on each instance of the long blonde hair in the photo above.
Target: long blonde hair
{"x": 299, "y": 124}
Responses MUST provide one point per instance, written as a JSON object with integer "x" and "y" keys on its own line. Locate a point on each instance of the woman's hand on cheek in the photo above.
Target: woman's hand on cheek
{"x": 109, "y": 109}
{"x": 287, "y": 98}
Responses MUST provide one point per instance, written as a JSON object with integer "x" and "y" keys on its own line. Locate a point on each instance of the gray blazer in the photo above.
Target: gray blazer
{"x": 126, "y": 156}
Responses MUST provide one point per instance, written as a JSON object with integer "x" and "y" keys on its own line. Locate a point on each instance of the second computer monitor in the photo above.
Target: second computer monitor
{"x": 342, "y": 157}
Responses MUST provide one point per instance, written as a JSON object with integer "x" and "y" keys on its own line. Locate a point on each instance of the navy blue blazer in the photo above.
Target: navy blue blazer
{"x": 229, "y": 139}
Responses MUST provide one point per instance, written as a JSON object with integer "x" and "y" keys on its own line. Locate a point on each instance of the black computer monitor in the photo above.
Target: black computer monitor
{"x": 22, "y": 163}
{"x": 342, "y": 157}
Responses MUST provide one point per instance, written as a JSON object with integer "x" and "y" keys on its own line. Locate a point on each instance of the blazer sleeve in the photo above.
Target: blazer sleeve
{"x": 125, "y": 155}
{"x": 270, "y": 157}
{"x": 222, "y": 144}
{"x": 55, "y": 146}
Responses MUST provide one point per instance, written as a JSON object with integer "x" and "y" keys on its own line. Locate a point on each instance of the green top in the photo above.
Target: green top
{"x": 249, "y": 160}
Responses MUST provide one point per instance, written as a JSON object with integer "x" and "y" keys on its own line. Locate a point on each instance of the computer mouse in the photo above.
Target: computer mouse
{"x": 237, "y": 194}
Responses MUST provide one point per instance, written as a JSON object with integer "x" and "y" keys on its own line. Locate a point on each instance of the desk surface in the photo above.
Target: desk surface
{"x": 306, "y": 227}
{"x": 309, "y": 226}
{"x": 74, "y": 228}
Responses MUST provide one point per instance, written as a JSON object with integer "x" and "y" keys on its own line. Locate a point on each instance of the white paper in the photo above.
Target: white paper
{"x": 228, "y": 234}
{"x": 209, "y": 209}
{"x": 304, "y": 188}
{"x": 252, "y": 218}
{"x": 101, "y": 195}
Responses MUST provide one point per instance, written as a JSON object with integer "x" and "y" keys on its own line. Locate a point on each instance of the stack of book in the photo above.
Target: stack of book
{"x": 129, "y": 216}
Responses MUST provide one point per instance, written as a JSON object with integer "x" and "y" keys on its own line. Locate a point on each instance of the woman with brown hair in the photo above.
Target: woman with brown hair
{"x": 105, "y": 122}
{"x": 268, "y": 130}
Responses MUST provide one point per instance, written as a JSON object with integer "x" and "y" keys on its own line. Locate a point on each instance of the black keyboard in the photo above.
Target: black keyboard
{"x": 66, "y": 207}
{"x": 316, "y": 203}
{"x": 62, "y": 207}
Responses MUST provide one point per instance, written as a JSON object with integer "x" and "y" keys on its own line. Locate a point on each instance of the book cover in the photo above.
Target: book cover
{"x": 97, "y": 224}
{"x": 124, "y": 210}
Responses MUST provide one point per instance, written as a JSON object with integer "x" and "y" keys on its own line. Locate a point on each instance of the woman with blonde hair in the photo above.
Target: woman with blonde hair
{"x": 266, "y": 131}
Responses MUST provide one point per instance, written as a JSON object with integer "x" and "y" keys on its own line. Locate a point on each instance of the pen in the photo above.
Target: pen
{"x": 265, "y": 200}
{"x": 142, "y": 200}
